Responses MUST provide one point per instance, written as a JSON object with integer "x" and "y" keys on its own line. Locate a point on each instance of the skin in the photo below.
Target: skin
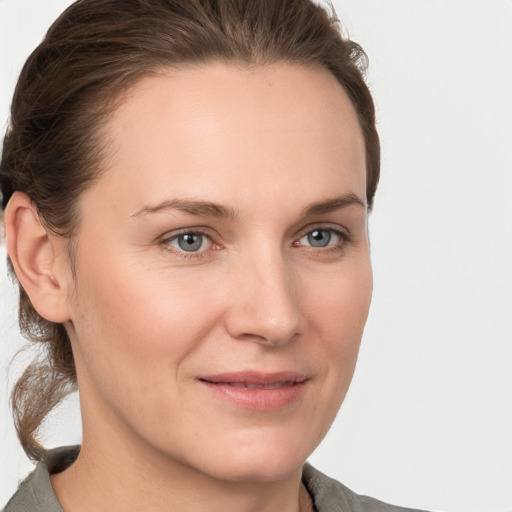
{"x": 147, "y": 319}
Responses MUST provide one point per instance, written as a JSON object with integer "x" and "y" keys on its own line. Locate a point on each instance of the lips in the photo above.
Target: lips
{"x": 257, "y": 385}
{"x": 257, "y": 390}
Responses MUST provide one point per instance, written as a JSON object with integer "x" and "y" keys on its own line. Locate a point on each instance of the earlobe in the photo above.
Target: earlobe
{"x": 33, "y": 255}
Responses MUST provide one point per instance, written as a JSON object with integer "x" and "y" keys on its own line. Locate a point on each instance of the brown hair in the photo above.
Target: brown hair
{"x": 93, "y": 52}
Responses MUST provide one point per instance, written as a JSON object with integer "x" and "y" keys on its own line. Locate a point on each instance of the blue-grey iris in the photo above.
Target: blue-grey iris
{"x": 319, "y": 238}
{"x": 190, "y": 243}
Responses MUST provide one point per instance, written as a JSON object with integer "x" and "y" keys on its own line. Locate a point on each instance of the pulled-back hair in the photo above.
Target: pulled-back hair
{"x": 74, "y": 80}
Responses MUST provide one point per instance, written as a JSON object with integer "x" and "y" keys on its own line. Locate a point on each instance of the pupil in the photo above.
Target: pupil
{"x": 190, "y": 243}
{"x": 319, "y": 238}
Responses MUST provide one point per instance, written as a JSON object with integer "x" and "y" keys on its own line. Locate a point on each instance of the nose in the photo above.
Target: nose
{"x": 264, "y": 303}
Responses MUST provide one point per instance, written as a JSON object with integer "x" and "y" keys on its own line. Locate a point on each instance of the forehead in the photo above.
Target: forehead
{"x": 222, "y": 128}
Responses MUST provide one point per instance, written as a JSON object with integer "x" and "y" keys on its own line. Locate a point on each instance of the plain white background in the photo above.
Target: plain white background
{"x": 428, "y": 420}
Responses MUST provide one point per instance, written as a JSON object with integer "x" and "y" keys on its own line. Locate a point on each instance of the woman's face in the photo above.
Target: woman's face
{"x": 223, "y": 276}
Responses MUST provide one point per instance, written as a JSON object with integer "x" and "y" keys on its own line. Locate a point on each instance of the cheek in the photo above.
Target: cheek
{"x": 337, "y": 316}
{"x": 132, "y": 305}
{"x": 134, "y": 327}
{"x": 340, "y": 301}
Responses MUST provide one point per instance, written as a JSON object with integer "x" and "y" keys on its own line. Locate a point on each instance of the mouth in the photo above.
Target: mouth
{"x": 256, "y": 390}
{"x": 257, "y": 385}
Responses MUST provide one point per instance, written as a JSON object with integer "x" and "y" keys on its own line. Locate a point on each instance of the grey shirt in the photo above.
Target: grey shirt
{"x": 35, "y": 494}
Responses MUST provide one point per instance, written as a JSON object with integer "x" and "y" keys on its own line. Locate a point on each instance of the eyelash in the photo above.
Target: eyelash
{"x": 344, "y": 239}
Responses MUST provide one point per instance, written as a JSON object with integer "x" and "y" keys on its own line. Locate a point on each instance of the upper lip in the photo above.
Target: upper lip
{"x": 256, "y": 378}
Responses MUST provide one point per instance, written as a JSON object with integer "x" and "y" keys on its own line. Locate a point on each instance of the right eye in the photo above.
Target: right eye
{"x": 189, "y": 242}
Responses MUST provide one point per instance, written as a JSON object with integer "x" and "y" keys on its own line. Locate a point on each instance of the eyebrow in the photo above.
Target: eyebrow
{"x": 210, "y": 209}
{"x": 194, "y": 207}
{"x": 331, "y": 205}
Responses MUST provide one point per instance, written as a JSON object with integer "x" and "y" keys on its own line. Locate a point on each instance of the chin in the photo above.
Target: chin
{"x": 263, "y": 461}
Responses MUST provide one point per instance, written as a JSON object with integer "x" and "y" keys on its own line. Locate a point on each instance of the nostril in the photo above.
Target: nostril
{"x": 269, "y": 330}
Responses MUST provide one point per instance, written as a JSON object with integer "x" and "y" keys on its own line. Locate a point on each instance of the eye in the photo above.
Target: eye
{"x": 320, "y": 238}
{"x": 189, "y": 242}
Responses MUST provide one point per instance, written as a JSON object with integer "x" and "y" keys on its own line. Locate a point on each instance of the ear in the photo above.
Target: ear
{"x": 37, "y": 259}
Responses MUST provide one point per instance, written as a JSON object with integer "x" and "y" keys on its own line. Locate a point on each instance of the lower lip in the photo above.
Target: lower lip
{"x": 258, "y": 399}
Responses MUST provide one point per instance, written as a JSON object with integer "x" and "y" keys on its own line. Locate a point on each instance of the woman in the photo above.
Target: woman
{"x": 186, "y": 187}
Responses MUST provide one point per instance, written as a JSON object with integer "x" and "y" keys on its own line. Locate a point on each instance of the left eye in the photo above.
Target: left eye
{"x": 321, "y": 238}
{"x": 190, "y": 242}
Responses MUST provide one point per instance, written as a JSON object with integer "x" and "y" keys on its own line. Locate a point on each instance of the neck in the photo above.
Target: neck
{"x": 111, "y": 476}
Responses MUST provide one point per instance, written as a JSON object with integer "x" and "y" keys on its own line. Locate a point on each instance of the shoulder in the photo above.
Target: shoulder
{"x": 35, "y": 493}
{"x": 331, "y": 496}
